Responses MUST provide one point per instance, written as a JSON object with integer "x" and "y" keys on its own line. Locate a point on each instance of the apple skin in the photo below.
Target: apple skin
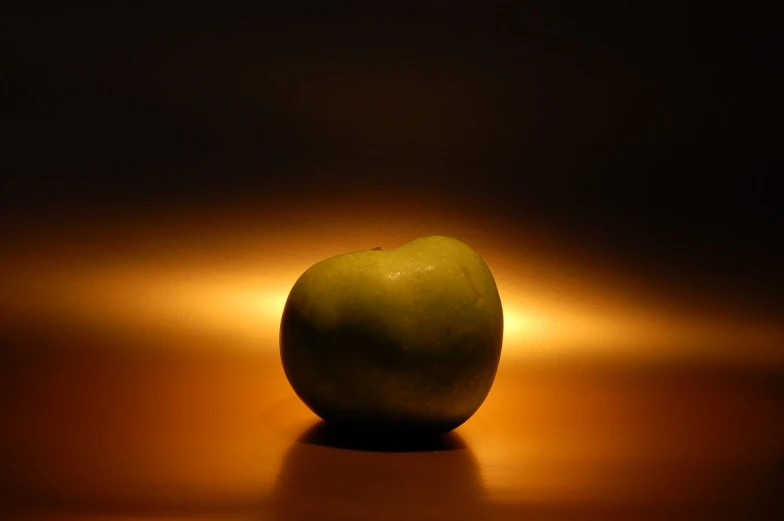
{"x": 400, "y": 340}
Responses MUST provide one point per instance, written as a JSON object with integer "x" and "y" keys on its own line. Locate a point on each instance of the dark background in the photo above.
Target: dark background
{"x": 647, "y": 133}
{"x": 615, "y": 166}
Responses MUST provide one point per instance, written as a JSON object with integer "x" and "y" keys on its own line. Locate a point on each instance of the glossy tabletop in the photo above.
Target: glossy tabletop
{"x": 141, "y": 380}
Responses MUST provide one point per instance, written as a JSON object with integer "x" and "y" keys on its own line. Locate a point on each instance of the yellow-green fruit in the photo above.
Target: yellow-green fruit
{"x": 407, "y": 339}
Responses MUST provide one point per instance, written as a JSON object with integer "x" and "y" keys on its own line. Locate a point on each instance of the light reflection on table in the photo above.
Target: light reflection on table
{"x": 140, "y": 378}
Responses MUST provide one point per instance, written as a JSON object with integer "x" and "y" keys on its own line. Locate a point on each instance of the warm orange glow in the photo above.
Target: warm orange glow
{"x": 188, "y": 274}
{"x": 169, "y": 330}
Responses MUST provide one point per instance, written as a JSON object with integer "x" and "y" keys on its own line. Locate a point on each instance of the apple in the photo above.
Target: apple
{"x": 400, "y": 340}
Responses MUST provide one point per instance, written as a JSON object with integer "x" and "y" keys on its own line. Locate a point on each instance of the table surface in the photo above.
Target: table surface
{"x": 140, "y": 379}
{"x": 138, "y": 436}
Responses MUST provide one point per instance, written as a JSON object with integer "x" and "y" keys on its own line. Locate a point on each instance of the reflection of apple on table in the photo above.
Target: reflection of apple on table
{"x": 435, "y": 479}
{"x": 408, "y": 339}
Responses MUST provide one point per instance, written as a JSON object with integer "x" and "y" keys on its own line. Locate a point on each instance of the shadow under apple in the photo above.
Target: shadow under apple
{"x": 331, "y": 474}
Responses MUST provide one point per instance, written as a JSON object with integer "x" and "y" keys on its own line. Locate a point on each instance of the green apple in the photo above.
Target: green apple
{"x": 407, "y": 339}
